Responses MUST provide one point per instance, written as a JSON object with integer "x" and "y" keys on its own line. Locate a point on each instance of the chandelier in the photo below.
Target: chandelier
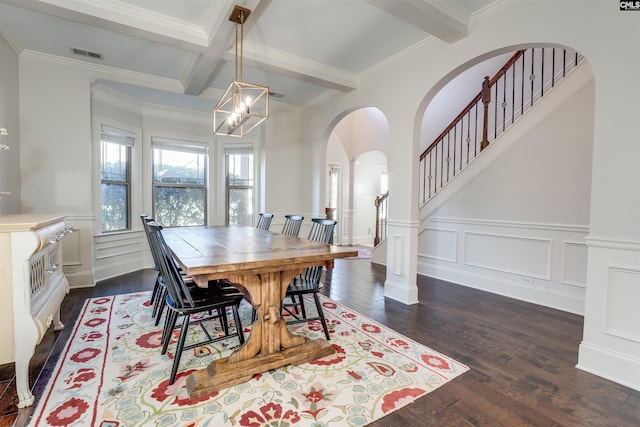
{"x": 244, "y": 105}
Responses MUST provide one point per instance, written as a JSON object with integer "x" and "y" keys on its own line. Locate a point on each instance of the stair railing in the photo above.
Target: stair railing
{"x": 523, "y": 80}
{"x": 381, "y": 218}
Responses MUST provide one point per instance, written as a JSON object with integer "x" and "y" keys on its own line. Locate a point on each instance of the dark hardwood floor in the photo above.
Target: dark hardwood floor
{"x": 522, "y": 356}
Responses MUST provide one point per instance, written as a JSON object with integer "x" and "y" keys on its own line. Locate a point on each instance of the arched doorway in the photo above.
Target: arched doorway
{"x": 355, "y": 171}
{"x": 513, "y": 221}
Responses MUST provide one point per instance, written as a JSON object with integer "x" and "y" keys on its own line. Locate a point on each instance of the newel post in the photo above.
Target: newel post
{"x": 376, "y": 239}
{"x": 486, "y": 99}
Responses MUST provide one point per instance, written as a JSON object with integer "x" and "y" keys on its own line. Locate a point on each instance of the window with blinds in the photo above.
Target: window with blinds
{"x": 115, "y": 168}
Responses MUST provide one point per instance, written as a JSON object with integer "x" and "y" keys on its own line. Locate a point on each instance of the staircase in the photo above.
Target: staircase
{"x": 520, "y": 84}
{"x": 523, "y": 81}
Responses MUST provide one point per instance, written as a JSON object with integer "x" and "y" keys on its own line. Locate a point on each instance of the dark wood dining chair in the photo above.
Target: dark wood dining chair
{"x": 183, "y": 301}
{"x": 308, "y": 282}
{"x": 292, "y": 225}
{"x": 264, "y": 221}
{"x": 159, "y": 292}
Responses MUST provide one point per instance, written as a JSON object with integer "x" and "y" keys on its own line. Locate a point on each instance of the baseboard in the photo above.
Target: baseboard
{"x": 83, "y": 279}
{"x": 401, "y": 293}
{"x": 512, "y": 289}
{"x": 618, "y": 368}
{"x": 113, "y": 270}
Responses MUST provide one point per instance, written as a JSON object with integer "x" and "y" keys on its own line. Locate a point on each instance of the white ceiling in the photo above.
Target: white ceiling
{"x": 299, "y": 48}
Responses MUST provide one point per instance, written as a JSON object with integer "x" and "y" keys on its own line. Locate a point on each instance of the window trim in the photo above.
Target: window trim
{"x": 247, "y": 146}
{"x": 187, "y": 146}
{"x": 124, "y": 137}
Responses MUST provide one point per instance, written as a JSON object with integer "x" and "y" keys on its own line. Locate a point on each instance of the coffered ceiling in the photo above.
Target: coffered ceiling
{"x": 182, "y": 51}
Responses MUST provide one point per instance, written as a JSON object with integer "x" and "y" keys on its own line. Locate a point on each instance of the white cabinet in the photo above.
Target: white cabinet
{"x": 33, "y": 287}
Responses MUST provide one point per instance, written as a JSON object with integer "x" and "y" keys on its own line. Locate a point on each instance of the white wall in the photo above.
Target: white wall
{"x": 9, "y": 119}
{"x": 283, "y": 166}
{"x": 55, "y": 153}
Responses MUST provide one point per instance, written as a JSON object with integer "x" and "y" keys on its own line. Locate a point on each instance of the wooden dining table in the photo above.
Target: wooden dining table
{"x": 261, "y": 264}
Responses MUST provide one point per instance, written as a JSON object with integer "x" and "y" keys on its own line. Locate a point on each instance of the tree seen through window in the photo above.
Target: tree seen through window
{"x": 179, "y": 185}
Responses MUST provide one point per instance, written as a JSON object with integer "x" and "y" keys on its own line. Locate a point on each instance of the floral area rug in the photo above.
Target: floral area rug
{"x": 112, "y": 374}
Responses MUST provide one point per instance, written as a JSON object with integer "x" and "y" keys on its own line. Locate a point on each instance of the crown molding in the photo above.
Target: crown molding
{"x": 489, "y": 10}
{"x": 8, "y": 36}
{"x": 116, "y": 15}
{"x": 177, "y": 113}
{"x": 328, "y": 94}
{"x": 109, "y": 95}
{"x": 110, "y": 73}
{"x": 422, "y": 45}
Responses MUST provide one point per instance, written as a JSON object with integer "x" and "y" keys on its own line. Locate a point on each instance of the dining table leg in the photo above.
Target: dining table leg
{"x": 271, "y": 345}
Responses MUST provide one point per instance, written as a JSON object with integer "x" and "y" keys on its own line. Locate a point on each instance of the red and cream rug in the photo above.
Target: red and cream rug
{"x": 112, "y": 374}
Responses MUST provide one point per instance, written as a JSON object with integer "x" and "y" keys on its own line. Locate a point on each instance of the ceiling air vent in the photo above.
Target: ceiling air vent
{"x": 83, "y": 52}
{"x": 276, "y": 95}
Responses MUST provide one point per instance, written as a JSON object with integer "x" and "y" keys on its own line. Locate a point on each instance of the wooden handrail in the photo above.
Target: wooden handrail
{"x": 521, "y": 81}
{"x": 474, "y": 101}
{"x": 453, "y": 123}
{"x": 507, "y": 65}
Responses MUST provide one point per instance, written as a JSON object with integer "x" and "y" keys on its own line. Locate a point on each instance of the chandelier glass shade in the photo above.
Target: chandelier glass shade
{"x": 244, "y": 105}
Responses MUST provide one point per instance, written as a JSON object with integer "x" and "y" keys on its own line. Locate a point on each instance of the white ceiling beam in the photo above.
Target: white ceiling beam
{"x": 440, "y": 18}
{"x": 199, "y": 72}
{"x": 293, "y": 66}
{"x": 202, "y": 68}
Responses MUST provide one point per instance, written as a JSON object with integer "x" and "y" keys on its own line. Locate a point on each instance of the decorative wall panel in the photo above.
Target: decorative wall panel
{"x": 623, "y": 303}
{"x": 574, "y": 267}
{"x": 510, "y": 254}
{"x": 439, "y": 244}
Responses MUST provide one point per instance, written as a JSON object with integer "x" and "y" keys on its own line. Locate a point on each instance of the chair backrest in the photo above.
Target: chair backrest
{"x": 154, "y": 254}
{"x": 321, "y": 231}
{"x": 145, "y": 219}
{"x": 169, "y": 271}
{"x": 264, "y": 221}
{"x": 292, "y": 225}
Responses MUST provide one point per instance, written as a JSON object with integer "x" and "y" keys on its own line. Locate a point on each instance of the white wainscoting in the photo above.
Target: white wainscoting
{"x": 439, "y": 244}
{"x": 120, "y": 253}
{"x": 540, "y": 263}
{"x": 524, "y": 256}
{"x": 77, "y": 251}
{"x": 611, "y": 339}
{"x": 623, "y": 301}
{"x": 574, "y": 267}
